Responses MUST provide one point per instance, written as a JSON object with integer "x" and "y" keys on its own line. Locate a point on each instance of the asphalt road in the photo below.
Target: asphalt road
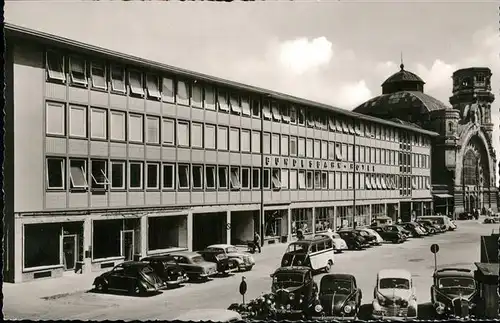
{"x": 459, "y": 248}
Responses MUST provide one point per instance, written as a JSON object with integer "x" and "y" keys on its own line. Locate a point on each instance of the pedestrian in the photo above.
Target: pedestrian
{"x": 300, "y": 235}
{"x": 256, "y": 241}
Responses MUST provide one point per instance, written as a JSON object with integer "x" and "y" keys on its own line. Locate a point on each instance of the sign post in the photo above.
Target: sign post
{"x": 243, "y": 288}
{"x": 435, "y": 250}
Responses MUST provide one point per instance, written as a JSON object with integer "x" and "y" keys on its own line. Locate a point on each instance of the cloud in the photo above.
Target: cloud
{"x": 353, "y": 94}
{"x": 302, "y": 55}
{"x": 438, "y": 76}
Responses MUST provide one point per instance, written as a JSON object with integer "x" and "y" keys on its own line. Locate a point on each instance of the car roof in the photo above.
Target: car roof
{"x": 132, "y": 264}
{"x": 215, "y": 315}
{"x": 185, "y": 253}
{"x": 221, "y": 245}
{"x": 394, "y": 273}
{"x": 340, "y": 276}
{"x": 158, "y": 257}
{"x": 454, "y": 272}
{"x": 290, "y": 269}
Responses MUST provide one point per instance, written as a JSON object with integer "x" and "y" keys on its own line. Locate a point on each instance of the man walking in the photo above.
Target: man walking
{"x": 256, "y": 241}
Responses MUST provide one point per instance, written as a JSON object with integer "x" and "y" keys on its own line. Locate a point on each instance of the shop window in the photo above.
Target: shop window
{"x": 99, "y": 174}
{"x": 276, "y": 179}
{"x": 168, "y": 131}
{"x": 117, "y": 175}
{"x": 255, "y": 108}
{"x": 135, "y": 175}
{"x": 106, "y": 238}
{"x": 166, "y": 232}
{"x": 293, "y": 114}
{"x": 183, "y": 92}
{"x": 266, "y": 178}
{"x": 301, "y": 118}
{"x": 197, "y": 97}
{"x": 196, "y": 135}
{"x": 222, "y": 138}
{"x": 183, "y": 133}
{"x": 78, "y": 121}
{"x": 98, "y": 76}
{"x": 78, "y": 174}
{"x": 222, "y": 177}
{"x": 245, "y": 178}
{"x": 245, "y": 140}
{"x": 284, "y": 178}
{"x": 245, "y": 106}
{"x": 55, "y": 119}
{"x": 210, "y": 98}
{"x": 183, "y": 176}
{"x": 153, "y": 130}
{"x": 210, "y": 136}
{"x": 301, "y": 220}
{"x": 117, "y": 125}
{"x": 235, "y": 104}
{"x": 266, "y": 145}
{"x": 235, "y": 178}
{"x": 152, "y": 176}
{"x": 255, "y": 178}
{"x": 234, "y": 139}
{"x": 266, "y": 110}
{"x": 55, "y": 66}
{"x": 293, "y": 179}
{"x": 135, "y": 128}
{"x": 153, "y": 86}
{"x": 285, "y": 113}
{"x": 302, "y": 180}
{"x": 55, "y": 173}
{"x": 210, "y": 177}
{"x": 42, "y": 244}
{"x": 117, "y": 78}
{"x": 168, "y": 89}
{"x": 78, "y": 71}
{"x": 255, "y": 141}
{"x": 222, "y": 101}
{"x": 168, "y": 176}
{"x": 197, "y": 176}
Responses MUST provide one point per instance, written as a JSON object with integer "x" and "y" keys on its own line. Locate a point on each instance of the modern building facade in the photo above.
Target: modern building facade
{"x": 111, "y": 157}
{"x": 463, "y": 158}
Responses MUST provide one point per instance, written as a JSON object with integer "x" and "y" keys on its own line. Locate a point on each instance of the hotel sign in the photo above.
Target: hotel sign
{"x": 271, "y": 161}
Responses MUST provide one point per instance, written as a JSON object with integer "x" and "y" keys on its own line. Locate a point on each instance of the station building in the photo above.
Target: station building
{"x": 111, "y": 157}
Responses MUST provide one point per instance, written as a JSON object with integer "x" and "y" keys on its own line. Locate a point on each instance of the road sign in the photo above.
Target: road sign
{"x": 243, "y": 288}
{"x": 434, "y": 248}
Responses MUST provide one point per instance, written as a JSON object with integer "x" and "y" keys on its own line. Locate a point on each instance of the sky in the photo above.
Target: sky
{"x": 333, "y": 52}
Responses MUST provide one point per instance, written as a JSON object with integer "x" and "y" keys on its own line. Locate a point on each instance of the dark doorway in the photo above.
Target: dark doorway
{"x": 128, "y": 244}
{"x": 70, "y": 251}
{"x": 243, "y": 226}
{"x": 208, "y": 229}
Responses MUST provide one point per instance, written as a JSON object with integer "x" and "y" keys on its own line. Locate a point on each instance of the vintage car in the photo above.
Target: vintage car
{"x": 394, "y": 296}
{"x": 213, "y": 315}
{"x": 194, "y": 265}
{"x": 442, "y": 221}
{"x": 453, "y": 293}
{"x": 168, "y": 269}
{"x": 339, "y": 297}
{"x": 381, "y": 220}
{"x": 134, "y": 277}
{"x": 389, "y": 235}
{"x": 219, "y": 257}
{"x": 244, "y": 261}
{"x": 438, "y": 228}
{"x": 492, "y": 218}
{"x": 316, "y": 253}
{"x": 429, "y": 226}
{"x": 339, "y": 244}
{"x": 353, "y": 239}
{"x": 370, "y": 238}
{"x": 294, "y": 292}
{"x": 414, "y": 229}
{"x": 375, "y": 233}
{"x": 399, "y": 228}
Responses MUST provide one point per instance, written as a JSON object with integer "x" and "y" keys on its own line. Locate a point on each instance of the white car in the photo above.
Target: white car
{"x": 339, "y": 244}
{"x": 245, "y": 261}
{"x": 374, "y": 233}
{"x": 394, "y": 296}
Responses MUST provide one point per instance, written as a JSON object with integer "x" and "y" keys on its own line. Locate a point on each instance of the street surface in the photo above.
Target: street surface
{"x": 458, "y": 248}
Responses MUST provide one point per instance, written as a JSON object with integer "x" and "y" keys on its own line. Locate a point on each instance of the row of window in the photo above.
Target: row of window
{"x": 182, "y": 91}
{"x": 169, "y": 176}
{"x": 209, "y": 136}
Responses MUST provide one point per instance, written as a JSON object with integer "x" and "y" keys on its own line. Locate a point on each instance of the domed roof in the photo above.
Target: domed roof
{"x": 403, "y": 76}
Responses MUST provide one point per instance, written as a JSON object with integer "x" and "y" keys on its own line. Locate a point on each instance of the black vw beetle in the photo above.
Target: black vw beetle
{"x": 339, "y": 297}
{"x": 168, "y": 269}
{"x": 453, "y": 294}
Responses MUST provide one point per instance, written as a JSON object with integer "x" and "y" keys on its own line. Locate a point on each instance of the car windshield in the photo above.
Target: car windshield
{"x": 457, "y": 282}
{"x": 399, "y": 283}
{"x": 298, "y": 247}
{"x": 284, "y": 280}
{"x": 197, "y": 259}
{"x": 331, "y": 285}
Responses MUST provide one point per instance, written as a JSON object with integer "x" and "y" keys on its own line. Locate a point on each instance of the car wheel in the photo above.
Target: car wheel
{"x": 101, "y": 286}
{"x": 137, "y": 290}
{"x": 249, "y": 268}
{"x": 328, "y": 266}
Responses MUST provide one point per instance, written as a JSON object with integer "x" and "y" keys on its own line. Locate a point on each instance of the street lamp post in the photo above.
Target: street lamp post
{"x": 354, "y": 179}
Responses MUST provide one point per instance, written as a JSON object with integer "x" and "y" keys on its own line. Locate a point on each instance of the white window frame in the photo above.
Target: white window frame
{"x": 187, "y": 133}
{"x": 105, "y": 112}
{"x": 55, "y": 74}
{"x": 150, "y": 140}
{"x": 215, "y": 177}
{"x": 222, "y": 95}
{"x": 101, "y": 67}
{"x": 167, "y": 93}
{"x": 74, "y": 79}
{"x": 124, "y": 178}
{"x": 331, "y": 123}
{"x": 338, "y": 125}
{"x": 368, "y": 183}
{"x": 293, "y": 114}
{"x": 285, "y": 113}
{"x": 301, "y": 180}
{"x": 153, "y": 86}
{"x": 293, "y": 152}
{"x": 136, "y": 89}
{"x": 331, "y": 180}
{"x": 301, "y": 147}
{"x": 207, "y": 137}
{"x": 266, "y": 145}
{"x": 165, "y": 132}
{"x": 309, "y": 148}
{"x": 324, "y": 149}
{"x": 62, "y": 163}
{"x": 84, "y": 120}
{"x": 339, "y": 154}
{"x": 193, "y": 143}
{"x": 255, "y": 178}
{"x": 285, "y": 145}
{"x": 187, "y": 86}
{"x": 62, "y": 120}
{"x": 188, "y": 176}
{"x": 129, "y": 177}
{"x": 266, "y": 110}
{"x": 301, "y": 114}
{"x": 245, "y": 140}
{"x": 220, "y": 136}
{"x": 103, "y": 173}
{"x": 209, "y": 91}
{"x": 115, "y": 68}
{"x": 275, "y": 109}
{"x": 219, "y": 168}
{"x": 234, "y": 102}
{"x": 202, "y": 176}
{"x": 284, "y": 178}
{"x": 275, "y": 144}
{"x": 245, "y": 106}
{"x": 138, "y": 116}
{"x": 195, "y": 87}
{"x": 234, "y": 140}
{"x": 275, "y": 180}
{"x": 235, "y": 178}
{"x": 172, "y": 173}
{"x": 255, "y": 141}
{"x": 157, "y": 166}
{"x": 292, "y": 179}
{"x": 255, "y": 107}
{"x": 266, "y": 173}
{"x": 317, "y": 149}
{"x": 112, "y": 125}
{"x": 83, "y": 170}
{"x": 249, "y": 178}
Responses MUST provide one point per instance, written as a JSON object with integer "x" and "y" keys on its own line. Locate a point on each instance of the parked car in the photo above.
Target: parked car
{"x": 339, "y": 244}
{"x": 414, "y": 229}
{"x": 493, "y": 218}
{"x": 353, "y": 239}
{"x": 389, "y": 235}
{"x": 213, "y": 315}
{"x": 294, "y": 292}
{"x": 465, "y": 216}
{"x": 244, "y": 261}
{"x": 453, "y": 293}
{"x": 453, "y": 225}
{"x": 401, "y": 229}
{"x": 380, "y": 240}
{"x": 168, "y": 269}
{"x": 194, "y": 265}
{"x": 316, "y": 253}
{"x": 134, "y": 277}
{"x": 429, "y": 226}
{"x": 442, "y": 220}
{"x": 338, "y": 297}
{"x": 394, "y": 295}
{"x": 370, "y": 238}
{"x": 219, "y": 257}
{"x": 381, "y": 220}
{"x": 437, "y": 227}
